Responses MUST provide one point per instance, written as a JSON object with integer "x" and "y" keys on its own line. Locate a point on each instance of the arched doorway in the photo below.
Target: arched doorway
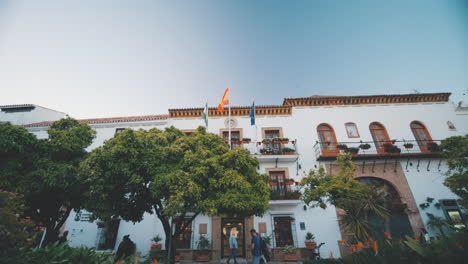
{"x": 327, "y": 139}
{"x": 379, "y": 135}
{"x": 398, "y": 225}
{"x": 421, "y": 135}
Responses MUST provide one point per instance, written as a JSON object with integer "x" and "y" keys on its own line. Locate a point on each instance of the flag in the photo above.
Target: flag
{"x": 224, "y": 101}
{"x": 205, "y": 115}
{"x": 252, "y": 115}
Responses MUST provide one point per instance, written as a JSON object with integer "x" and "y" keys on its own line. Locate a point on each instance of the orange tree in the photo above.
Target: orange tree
{"x": 172, "y": 175}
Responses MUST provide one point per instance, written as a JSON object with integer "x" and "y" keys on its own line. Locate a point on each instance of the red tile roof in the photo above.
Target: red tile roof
{"x": 107, "y": 120}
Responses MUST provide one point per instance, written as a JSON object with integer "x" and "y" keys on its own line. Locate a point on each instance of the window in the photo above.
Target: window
{"x": 420, "y": 134}
{"x": 107, "y": 234}
{"x": 351, "y": 129}
{"x": 283, "y": 231}
{"x": 235, "y": 137}
{"x": 379, "y": 135}
{"x": 271, "y": 133}
{"x": 278, "y": 176}
{"x": 185, "y": 237}
{"x": 119, "y": 130}
{"x": 327, "y": 139}
{"x": 452, "y": 213}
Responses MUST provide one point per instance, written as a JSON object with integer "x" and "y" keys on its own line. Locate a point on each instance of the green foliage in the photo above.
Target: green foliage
{"x": 56, "y": 253}
{"x": 321, "y": 188}
{"x": 171, "y": 174}
{"x": 455, "y": 150}
{"x": 309, "y": 236}
{"x": 203, "y": 243}
{"x": 45, "y": 170}
{"x": 343, "y": 191}
{"x": 16, "y": 230}
{"x": 289, "y": 249}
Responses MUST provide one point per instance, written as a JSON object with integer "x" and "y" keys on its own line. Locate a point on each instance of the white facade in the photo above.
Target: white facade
{"x": 27, "y": 114}
{"x": 424, "y": 176}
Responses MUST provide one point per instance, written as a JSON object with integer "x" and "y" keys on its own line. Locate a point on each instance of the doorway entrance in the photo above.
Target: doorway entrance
{"x": 236, "y": 225}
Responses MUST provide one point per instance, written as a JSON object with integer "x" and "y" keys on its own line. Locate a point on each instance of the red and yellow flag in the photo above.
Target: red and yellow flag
{"x": 224, "y": 101}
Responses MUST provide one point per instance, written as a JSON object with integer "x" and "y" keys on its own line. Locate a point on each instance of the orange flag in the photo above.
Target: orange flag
{"x": 224, "y": 101}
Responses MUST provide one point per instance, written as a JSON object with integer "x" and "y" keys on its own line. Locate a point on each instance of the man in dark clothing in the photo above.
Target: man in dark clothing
{"x": 63, "y": 238}
{"x": 256, "y": 251}
{"x": 126, "y": 248}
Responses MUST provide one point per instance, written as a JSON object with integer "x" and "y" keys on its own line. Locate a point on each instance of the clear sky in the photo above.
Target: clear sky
{"x": 101, "y": 58}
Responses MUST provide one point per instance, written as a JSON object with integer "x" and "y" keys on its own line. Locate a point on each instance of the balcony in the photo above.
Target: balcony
{"x": 270, "y": 150}
{"x": 284, "y": 190}
{"x": 379, "y": 149}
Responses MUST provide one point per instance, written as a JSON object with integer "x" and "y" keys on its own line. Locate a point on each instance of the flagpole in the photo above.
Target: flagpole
{"x": 229, "y": 120}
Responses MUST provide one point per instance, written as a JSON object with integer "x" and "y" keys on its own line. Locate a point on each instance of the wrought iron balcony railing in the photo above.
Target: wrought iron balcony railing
{"x": 369, "y": 149}
{"x": 267, "y": 147}
{"x": 284, "y": 190}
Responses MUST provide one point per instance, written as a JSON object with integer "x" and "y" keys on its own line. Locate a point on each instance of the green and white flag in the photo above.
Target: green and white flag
{"x": 205, "y": 115}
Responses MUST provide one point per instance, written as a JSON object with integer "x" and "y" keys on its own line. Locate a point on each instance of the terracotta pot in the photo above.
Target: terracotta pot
{"x": 289, "y": 257}
{"x": 157, "y": 246}
{"x": 288, "y": 153}
{"x": 310, "y": 244}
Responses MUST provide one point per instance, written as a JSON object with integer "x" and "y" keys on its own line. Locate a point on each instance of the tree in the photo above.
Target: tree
{"x": 455, "y": 150}
{"x": 343, "y": 191}
{"x": 45, "y": 170}
{"x": 172, "y": 175}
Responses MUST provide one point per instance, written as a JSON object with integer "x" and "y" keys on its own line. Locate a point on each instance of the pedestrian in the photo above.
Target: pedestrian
{"x": 233, "y": 246}
{"x": 256, "y": 250}
{"x": 264, "y": 251}
{"x": 126, "y": 248}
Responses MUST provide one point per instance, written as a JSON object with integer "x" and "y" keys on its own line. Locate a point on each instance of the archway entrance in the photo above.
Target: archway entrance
{"x": 398, "y": 225}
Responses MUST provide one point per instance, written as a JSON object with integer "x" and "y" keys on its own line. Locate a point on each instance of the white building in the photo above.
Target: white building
{"x": 315, "y": 127}
{"x": 27, "y": 114}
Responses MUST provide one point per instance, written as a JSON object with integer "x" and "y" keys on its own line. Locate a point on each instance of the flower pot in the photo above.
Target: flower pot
{"x": 310, "y": 244}
{"x": 289, "y": 182}
{"x": 288, "y": 153}
{"x": 273, "y": 183}
{"x": 156, "y": 246}
{"x": 289, "y": 257}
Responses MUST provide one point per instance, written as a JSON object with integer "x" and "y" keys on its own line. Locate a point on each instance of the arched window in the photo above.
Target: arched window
{"x": 327, "y": 139}
{"x": 379, "y": 135}
{"x": 421, "y": 135}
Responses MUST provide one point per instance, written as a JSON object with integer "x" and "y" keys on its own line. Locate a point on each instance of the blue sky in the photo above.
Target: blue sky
{"x": 105, "y": 58}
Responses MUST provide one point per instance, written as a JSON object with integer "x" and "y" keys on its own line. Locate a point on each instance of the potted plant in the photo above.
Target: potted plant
{"x": 408, "y": 145}
{"x": 310, "y": 242}
{"x": 203, "y": 246}
{"x": 276, "y": 140}
{"x": 265, "y": 151}
{"x": 342, "y": 146}
{"x": 235, "y": 140}
{"x": 285, "y": 140}
{"x": 288, "y": 151}
{"x": 156, "y": 245}
{"x": 266, "y": 141}
{"x": 364, "y": 146}
{"x": 433, "y": 147}
{"x": 289, "y": 253}
{"x": 353, "y": 150}
{"x": 246, "y": 140}
{"x": 273, "y": 182}
{"x": 288, "y": 181}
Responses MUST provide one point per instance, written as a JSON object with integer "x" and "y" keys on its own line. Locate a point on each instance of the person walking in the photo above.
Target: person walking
{"x": 126, "y": 248}
{"x": 233, "y": 246}
{"x": 256, "y": 250}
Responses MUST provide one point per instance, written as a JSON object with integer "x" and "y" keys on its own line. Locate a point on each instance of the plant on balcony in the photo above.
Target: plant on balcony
{"x": 276, "y": 195}
{"x": 276, "y": 140}
{"x": 292, "y": 195}
{"x": 353, "y": 150}
{"x": 364, "y": 146}
{"x": 408, "y": 145}
{"x": 266, "y": 141}
{"x": 273, "y": 182}
{"x": 289, "y": 253}
{"x": 246, "y": 140}
{"x": 288, "y": 151}
{"x": 266, "y": 151}
{"x": 433, "y": 147}
{"x": 285, "y": 140}
{"x": 156, "y": 245}
{"x": 342, "y": 146}
{"x": 309, "y": 241}
{"x": 390, "y": 148}
{"x": 235, "y": 140}
{"x": 289, "y": 181}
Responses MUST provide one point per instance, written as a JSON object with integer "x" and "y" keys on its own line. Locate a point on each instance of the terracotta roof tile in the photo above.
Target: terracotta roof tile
{"x": 107, "y": 120}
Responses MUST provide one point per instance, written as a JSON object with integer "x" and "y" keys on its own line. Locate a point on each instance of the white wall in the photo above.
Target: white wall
{"x": 38, "y": 114}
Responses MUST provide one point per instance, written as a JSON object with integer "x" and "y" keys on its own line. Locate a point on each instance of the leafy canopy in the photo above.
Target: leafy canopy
{"x": 174, "y": 174}
{"x": 455, "y": 150}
